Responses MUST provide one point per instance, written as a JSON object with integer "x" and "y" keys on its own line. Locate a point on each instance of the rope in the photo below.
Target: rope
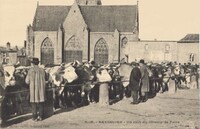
{"x": 92, "y": 83}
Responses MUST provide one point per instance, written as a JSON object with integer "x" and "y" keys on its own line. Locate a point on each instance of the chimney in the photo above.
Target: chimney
{"x": 24, "y": 43}
{"x": 8, "y": 46}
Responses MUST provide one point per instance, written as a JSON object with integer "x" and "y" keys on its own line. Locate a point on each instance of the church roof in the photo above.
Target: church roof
{"x": 98, "y": 18}
{"x": 109, "y": 18}
{"x": 190, "y": 38}
{"x": 48, "y": 18}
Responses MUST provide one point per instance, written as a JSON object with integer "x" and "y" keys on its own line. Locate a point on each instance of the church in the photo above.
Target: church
{"x": 86, "y": 30}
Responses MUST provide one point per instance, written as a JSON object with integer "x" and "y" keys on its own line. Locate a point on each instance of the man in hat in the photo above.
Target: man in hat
{"x": 36, "y": 80}
{"x": 135, "y": 82}
{"x": 144, "y": 81}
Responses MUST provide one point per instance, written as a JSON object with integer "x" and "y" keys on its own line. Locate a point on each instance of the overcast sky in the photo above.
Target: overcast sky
{"x": 159, "y": 19}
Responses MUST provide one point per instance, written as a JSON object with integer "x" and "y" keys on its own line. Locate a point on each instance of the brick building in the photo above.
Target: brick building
{"x": 84, "y": 31}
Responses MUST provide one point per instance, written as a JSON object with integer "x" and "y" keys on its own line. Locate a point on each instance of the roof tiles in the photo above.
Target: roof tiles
{"x": 98, "y": 18}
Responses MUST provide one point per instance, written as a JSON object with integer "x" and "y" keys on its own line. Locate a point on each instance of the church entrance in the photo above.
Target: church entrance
{"x": 72, "y": 50}
{"x": 101, "y": 52}
{"x": 47, "y": 52}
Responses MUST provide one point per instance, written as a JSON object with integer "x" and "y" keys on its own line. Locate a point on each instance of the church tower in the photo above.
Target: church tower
{"x": 88, "y": 2}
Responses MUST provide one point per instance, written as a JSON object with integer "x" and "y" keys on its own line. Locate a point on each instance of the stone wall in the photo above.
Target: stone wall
{"x": 155, "y": 51}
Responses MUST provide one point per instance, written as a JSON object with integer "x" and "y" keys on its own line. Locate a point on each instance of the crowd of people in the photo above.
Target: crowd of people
{"x": 152, "y": 78}
{"x": 141, "y": 82}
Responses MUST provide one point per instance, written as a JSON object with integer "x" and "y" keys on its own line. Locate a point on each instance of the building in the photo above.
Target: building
{"x": 8, "y": 55}
{"x": 12, "y": 56}
{"x": 86, "y": 30}
{"x": 188, "y": 49}
{"x": 183, "y": 51}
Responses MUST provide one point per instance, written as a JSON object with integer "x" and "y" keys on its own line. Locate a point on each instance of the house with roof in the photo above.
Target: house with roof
{"x": 188, "y": 49}
{"x": 86, "y": 30}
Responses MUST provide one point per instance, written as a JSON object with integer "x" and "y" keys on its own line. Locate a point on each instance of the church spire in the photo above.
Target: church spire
{"x": 88, "y": 2}
{"x": 137, "y": 15}
{"x": 37, "y": 3}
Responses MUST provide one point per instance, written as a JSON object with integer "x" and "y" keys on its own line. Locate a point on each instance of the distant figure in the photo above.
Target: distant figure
{"x": 135, "y": 83}
{"x": 2, "y": 82}
{"x": 36, "y": 81}
{"x": 144, "y": 82}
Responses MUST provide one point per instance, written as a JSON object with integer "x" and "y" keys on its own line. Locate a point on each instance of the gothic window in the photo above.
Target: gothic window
{"x": 101, "y": 52}
{"x": 47, "y": 52}
{"x": 124, "y": 42}
{"x": 73, "y": 44}
{"x": 73, "y": 50}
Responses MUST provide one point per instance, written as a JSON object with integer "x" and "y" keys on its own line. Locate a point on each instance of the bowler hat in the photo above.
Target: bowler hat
{"x": 142, "y": 61}
{"x": 35, "y": 60}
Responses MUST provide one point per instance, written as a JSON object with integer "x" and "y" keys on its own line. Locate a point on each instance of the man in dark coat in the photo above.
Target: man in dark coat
{"x": 144, "y": 89}
{"x": 36, "y": 81}
{"x": 135, "y": 83}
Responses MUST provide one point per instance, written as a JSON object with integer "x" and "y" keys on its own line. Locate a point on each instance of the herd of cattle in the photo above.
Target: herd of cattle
{"x": 76, "y": 84}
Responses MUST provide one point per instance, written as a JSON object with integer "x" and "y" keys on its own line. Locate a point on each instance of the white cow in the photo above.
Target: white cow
{"x": 61, "y": 75}
{"x": 9, "y": 71}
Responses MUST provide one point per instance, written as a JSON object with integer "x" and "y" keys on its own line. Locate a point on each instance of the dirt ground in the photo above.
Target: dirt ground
{"x": 164, "y": 111}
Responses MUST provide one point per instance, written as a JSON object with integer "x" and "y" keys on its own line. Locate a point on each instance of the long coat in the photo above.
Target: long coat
{"x": 144, "y": 78}
{"x": 36, "y": 80}
{"x": 134, "y": 81}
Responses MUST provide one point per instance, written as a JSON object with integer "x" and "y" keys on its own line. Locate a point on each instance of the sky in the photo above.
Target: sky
{"x": 158, "y": 19}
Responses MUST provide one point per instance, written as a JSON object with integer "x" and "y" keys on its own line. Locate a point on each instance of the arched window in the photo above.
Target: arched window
{"x": 73, "y": 50}
{"x": 47, "y": 52}
{"x": 124, "y": 42}
{"x": 73, "y": 44}
{"x": 101, "y": 52}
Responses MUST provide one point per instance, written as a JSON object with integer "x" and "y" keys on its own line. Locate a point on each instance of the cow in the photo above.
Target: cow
{"x": 13, "y": 83}
{"x": 123, "y": 72}
{"x": 157, "y": 79}
{"x": 115, "y": 87}
{"x": 60, "y": 76}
